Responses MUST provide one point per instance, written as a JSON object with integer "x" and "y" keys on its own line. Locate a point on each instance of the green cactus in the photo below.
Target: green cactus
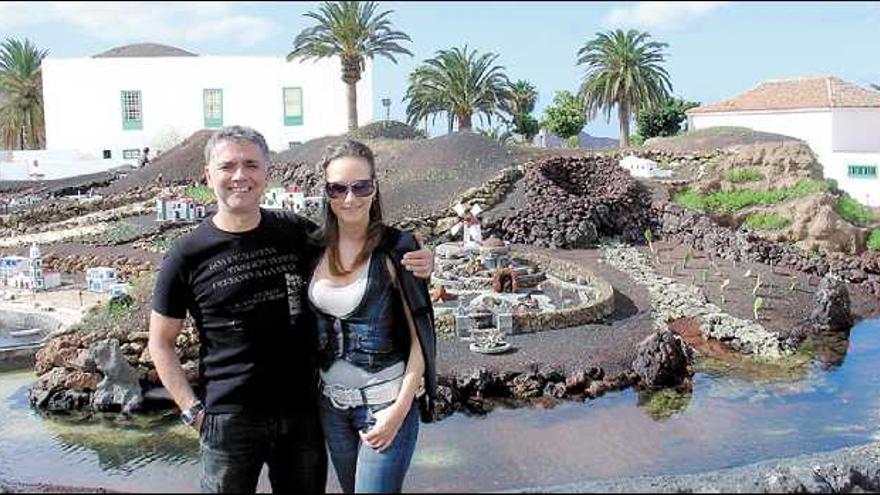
{"x": 649, "y": 236}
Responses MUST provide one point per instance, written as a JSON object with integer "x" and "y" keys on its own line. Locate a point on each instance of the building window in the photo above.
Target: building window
{"x": 293, "y": 106}
{"x": 107, "y": 154}
{"x": 131, "y": 154}
{"x": 212, "y": 100}
{"x": 132, "y": 111}
{"x": 862, "y": 171}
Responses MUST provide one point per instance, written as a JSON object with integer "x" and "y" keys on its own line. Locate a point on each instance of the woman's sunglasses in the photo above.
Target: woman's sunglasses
{"x": 360, "y": 188}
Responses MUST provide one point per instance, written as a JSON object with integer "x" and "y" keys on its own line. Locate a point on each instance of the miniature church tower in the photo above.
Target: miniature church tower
{"x": 36, "y": 259}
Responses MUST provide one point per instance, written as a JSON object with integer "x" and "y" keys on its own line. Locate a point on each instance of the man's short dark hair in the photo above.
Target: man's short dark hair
{"x": 239, "y": 134}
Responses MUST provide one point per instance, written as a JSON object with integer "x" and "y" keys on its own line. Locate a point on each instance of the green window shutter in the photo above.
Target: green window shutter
{"x": 293, "y": 106}
{"x": 862, "y": 171}
{"x": 131, "y": 154}
{"x": 132, "y": 111}
{"x": 212, "y": 105}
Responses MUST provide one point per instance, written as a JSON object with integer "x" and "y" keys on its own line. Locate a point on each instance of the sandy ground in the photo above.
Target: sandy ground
{"x": 69, "y": 302}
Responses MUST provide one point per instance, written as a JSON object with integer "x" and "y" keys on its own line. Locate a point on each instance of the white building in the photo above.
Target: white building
{"x": 838, "y": 120}
{"x": 170, "y": 209}
{"x": 114, "y": 104}
{"x": 100, "y": 279}
{"x": 642, "y": 167}
{"x": 27, "y": 273}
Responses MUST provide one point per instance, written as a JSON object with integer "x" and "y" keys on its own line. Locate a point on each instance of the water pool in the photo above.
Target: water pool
{"x": 727, "y": 421}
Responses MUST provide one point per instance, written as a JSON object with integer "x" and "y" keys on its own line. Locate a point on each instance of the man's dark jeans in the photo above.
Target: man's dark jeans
{"x": 234, "y": 447}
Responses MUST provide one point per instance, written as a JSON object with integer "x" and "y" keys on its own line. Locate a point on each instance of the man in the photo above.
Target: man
{"x": 145, "y": 157}
{"x": 241, "y": 275}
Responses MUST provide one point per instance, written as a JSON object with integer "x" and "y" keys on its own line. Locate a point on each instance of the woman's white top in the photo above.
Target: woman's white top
{"x": 340, "y": 301}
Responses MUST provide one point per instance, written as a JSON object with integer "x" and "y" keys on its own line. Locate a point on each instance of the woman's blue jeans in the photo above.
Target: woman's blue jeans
{"x": 360, "y": 468}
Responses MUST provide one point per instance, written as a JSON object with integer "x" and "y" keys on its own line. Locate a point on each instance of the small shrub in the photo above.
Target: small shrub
{"x": 874, "y": 240}
{"x": 854, "y": 212}
{"x": 201, "y": 194}
{"x": 768, "y": 221}
{"x": 636, "y": 140}
{"x": 737, "y": 199}
{"x": 741, "y": 175}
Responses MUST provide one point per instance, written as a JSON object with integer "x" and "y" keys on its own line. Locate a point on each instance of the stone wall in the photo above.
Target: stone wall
{"x": 700, "y": 231}
{"x": 566, "y": 317}
{"x": 126, "y": 268}
{"x": 581, "y": 314}
{"x": 40, "y": 217}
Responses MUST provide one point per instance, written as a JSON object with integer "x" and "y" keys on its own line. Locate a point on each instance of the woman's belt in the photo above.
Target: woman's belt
{"x": 371, "y": 395}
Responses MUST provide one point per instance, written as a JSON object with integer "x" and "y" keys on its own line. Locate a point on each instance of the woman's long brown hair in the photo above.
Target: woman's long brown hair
{"x": 375, "y": 227}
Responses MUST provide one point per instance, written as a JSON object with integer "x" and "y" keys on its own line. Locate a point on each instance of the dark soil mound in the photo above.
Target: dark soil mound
{"x": 426, "y": 176}
{"x": 181, "y": 164}
{"x": 391, "y": 129}
{"x": 713, "y": 138}
{"x": 417, "y": 178}
{"x": 571, "y": 202}
{"x": 69, "y": 185}
{"x": 309, "y": 153}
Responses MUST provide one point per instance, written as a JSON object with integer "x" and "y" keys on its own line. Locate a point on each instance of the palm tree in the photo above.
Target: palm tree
{"x": 353, "y": 32}
{"x": 521, "y": 99}
{"x": 22, "y": 124}
{"x": 519, "y": 104}
{"x": 623, "y": 70}
{"x": 458, "y": 82}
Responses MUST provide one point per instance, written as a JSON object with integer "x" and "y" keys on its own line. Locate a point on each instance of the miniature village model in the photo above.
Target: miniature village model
{"x": 171, "y": 209}
{"x": 488, "y": 292}
{"x": 103, "y": 279}
{"x": 291, "y": 198}
{"x": 21, "y": 272}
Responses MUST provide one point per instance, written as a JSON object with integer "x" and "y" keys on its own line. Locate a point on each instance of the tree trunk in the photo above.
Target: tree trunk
{"x": 623, "y": 116}
{"x": 351, "y": 74}
{"x": 352, "y": 106}
{"x": 464, "y": 122}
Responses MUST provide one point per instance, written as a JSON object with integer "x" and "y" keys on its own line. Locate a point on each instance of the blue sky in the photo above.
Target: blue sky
{"x": 716, "y": 49}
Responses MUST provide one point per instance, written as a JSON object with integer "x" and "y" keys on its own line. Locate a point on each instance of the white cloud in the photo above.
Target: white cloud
{"x": 127, "y": 22}
{"x": 659, "y": 14}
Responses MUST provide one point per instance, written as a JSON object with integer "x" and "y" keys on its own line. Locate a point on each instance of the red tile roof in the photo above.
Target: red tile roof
{"x": 790, "y": 94}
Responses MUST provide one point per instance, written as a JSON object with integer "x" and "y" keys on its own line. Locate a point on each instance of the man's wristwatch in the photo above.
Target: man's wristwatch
{"x": 191, "y": 414}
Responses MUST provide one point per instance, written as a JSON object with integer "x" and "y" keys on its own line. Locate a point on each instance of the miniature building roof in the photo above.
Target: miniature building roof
{"x": 145, "y": 50}
{"x": 789, "y": 94}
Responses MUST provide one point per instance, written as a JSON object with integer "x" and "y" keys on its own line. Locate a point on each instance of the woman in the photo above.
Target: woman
{"x": 375, "y": 331}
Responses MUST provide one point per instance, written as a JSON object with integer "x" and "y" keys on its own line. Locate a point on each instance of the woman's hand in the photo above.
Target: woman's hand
{"x": 388, "y": 422}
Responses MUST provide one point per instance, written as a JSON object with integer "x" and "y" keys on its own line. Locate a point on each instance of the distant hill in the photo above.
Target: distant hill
{"x": 546, "y": 139}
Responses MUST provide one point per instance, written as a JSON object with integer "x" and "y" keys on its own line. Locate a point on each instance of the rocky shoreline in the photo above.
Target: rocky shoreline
{"x": 846, "y": 470}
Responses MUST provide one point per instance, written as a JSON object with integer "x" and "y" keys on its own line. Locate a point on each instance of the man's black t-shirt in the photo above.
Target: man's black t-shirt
{"x": 246, "y": 293}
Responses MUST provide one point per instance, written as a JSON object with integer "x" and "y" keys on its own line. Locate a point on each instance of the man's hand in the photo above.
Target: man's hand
{"x": 420, "y": 263}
